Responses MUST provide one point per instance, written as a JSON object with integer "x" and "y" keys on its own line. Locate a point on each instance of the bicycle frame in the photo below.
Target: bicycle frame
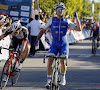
{"x": 56, "y": 71}
{"x": 9, "y": 67}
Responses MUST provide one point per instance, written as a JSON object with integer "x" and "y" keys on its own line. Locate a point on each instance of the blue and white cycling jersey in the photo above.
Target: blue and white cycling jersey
{"x": 59, "y": 31}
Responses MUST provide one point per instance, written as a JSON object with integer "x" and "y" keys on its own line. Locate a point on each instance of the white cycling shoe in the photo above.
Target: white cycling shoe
{"x": 48, "y": 84}
{"x": 19, "y": 66}
{"x": 63, "y": 81}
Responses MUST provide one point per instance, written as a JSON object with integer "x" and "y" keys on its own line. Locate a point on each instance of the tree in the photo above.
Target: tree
{"x": 47, "y": 5}
{"x": 82, "y": 7}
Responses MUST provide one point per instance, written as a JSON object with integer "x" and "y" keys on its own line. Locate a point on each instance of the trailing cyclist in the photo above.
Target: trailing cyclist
{"x": 19, "y": 37}
{"x": 95, "y": 36}
{"x": 59, "y": 26}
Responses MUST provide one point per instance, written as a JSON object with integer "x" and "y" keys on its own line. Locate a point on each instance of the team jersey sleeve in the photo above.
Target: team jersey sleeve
{"x": 25, "y": 32}
{"x": 71, "y": 24}
{"x": 49, "y": 22}
{"x": 9, "y": 31}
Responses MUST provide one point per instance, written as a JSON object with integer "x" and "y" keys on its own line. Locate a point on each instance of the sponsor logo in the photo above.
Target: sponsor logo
{"x": 25, "y": 8}
{"x": 14, "y": 13}
{"x": 25, "y": 20}
{"x": 4, "y": 7}
{"x": 55, "y": 26}
{"x": 25, "y": 14}
{"x": 14, "y": 7}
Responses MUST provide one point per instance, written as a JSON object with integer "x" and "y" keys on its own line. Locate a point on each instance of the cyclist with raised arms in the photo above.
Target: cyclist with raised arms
{"x": 59, "y": 26}
{"x": 19, "y": 37}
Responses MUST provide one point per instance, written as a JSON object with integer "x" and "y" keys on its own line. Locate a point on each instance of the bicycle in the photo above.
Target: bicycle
{"x": 94, "y": 48}
{"x": 9, "y": 69}
{"x": 56, "y": 72}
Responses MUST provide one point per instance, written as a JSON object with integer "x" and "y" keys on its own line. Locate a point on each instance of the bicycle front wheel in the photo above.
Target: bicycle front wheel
{"x": 5, "y": 74}
{"x": 15, "y": 72}
{"x": 54, "y": 82}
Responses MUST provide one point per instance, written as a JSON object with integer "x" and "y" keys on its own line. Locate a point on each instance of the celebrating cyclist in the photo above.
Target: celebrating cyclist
{"x": 59, "y": 26}
{"x": 95, "y": 31}
{"x": 19, "y": 37}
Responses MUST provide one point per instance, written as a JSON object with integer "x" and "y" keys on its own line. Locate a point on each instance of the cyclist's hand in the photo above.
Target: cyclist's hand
{"x": 75, "y": 14}
{"x": 36, "y": 42}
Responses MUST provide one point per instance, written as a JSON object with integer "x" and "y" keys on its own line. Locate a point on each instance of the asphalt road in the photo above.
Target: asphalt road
{"x": 83, "y": 70}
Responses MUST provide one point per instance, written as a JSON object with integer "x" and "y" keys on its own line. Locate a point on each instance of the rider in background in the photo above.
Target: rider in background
{"x": 59, "y": 26}
{"x": 95, "y": 31}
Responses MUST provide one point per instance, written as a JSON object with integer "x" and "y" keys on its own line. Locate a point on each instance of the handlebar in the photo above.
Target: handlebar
{"x": 11, "y": 49}
{"x": 55, "y": 57}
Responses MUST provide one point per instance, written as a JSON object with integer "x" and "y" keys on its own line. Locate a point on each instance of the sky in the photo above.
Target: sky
{"x": 96, "y": 0}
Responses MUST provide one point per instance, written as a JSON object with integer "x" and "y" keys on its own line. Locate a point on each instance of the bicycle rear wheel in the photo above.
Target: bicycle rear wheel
{"x": 16, "y": 73}
{"x": 5, "y": 74}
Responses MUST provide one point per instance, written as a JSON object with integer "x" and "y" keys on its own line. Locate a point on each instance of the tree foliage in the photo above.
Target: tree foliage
{"x": 82, "y": 7}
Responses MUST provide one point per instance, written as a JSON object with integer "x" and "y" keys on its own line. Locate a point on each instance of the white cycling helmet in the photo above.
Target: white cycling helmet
{"x": 60, "y": 4}
{"x": 15, "y": 25}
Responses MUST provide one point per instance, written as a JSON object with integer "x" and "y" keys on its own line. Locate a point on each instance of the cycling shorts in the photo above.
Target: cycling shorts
{"x": 15, "y": 42}
{"x": 54, "y": 49}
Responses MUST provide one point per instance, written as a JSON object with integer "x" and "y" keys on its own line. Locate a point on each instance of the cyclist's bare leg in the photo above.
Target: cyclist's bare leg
{"x": 98, "y": 41}
{"x": 63, "y": 72}
{"x": 23, "y": 57}
{"x": 49, "y": 71}
{"x": 93, "y": 44}
{"x": 63, "y": 66}
{"x": 49, "y": 66}
{"x": 26, "y": 51}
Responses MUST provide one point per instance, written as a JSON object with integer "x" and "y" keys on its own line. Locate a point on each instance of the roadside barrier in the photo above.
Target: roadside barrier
{"x": 72, "y": 36}
{"x": 46, "y": 39}
{"x": 5, "y": 43}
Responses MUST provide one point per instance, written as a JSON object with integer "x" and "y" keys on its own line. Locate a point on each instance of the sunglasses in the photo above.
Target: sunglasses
{"x": 17, "y": 30}
{"x": 58, "y": 8}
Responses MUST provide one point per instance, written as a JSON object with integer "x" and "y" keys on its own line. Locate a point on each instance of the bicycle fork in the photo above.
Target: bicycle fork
{"x": 56, "y": 73}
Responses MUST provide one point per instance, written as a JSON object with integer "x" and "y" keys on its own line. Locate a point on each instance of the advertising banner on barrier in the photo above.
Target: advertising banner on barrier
{"x": 16, "y": 8}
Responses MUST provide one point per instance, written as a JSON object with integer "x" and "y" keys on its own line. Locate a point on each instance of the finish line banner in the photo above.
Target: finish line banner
{"x": 18, "y": 9}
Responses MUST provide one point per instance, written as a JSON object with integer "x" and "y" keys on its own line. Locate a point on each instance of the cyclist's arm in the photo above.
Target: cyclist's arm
{"x": 24, "y": 42}
{"x": 42, "y": 30}
{"x": 78, "y": 24}
{"x": 6, "y": 33}
{"x": 2, "y": 36}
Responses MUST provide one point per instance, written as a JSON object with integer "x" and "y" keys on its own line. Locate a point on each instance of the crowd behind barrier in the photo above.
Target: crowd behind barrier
{"x": 46, "y": 40}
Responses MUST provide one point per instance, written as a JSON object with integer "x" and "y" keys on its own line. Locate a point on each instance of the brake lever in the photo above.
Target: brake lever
{"x": 0, "y": 50}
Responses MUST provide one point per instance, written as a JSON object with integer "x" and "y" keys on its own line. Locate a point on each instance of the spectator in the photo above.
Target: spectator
{"x": 29, "y": 22}
{"x": 6, "y": 27}
{"x": 27, "y": 26}
{"x": 34, "y": 29}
